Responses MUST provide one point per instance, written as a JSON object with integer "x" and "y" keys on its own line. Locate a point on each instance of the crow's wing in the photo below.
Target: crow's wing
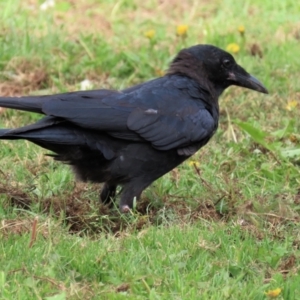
{"x": 170, "y": 131}
{"x": 90, "y": 110}
{"x": 169, "y": 113}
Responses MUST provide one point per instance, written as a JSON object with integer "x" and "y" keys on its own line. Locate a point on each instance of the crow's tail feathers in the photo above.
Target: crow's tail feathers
{"x": 3, "y": 132}
{"x": 33, "y": 104}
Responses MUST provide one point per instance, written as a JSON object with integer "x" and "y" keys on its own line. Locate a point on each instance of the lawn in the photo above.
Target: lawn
{"x": 223, "y": 225}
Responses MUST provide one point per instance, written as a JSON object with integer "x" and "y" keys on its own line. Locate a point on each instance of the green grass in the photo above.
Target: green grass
{"x": 211, "y": 261}
{"x": 224, "y": 225}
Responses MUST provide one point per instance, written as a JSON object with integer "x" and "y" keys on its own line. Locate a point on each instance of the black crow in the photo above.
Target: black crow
{"x": 134, "y": 136}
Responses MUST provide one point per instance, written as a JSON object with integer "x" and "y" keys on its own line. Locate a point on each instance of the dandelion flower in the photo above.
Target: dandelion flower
{"x": 149, "y": 34}
{"x": 181, "y": 30}
{"x": 273, "y": 293}
{"x": 291, "y": 105}
{"x": 160, "y": 72}
{"x": 241, "y": 29}
{"x": 192, "y": 163}
{"x": 233, "y": 48}
{"x": 293, "y": 138}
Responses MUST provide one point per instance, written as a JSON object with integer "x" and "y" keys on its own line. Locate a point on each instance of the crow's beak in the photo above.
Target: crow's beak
{"x": 243, "y": 79}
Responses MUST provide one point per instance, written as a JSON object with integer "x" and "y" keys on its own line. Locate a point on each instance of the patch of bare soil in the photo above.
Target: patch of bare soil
{"x": 97, "y": 17}
{"x": 24, "y": 76}
{"x": 289, "y": 265}
{"x": 83, "y": 215}
{"x": 18, "y": 198}
{"x": 15, "y": 226}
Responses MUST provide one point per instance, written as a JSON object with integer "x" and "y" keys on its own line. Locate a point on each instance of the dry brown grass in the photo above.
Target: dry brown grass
{"x": 23, "y": 77}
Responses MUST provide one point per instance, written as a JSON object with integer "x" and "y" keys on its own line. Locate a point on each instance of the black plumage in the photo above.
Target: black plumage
{"x": 134, "y": 136}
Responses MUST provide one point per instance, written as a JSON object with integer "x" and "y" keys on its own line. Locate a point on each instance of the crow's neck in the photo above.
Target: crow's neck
{"x": 185, "y": 64}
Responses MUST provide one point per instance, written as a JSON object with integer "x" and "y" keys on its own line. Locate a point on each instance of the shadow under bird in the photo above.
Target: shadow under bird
{"x": 134, "y": 136}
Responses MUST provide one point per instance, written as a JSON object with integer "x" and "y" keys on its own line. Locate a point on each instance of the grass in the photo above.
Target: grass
{"x": 224, "y": 225}
{"x": 183, "y": 262}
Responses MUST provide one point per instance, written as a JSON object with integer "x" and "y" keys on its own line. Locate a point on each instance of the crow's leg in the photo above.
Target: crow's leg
{"x": 131, "y": 190}
{"x": 108, "y": 193}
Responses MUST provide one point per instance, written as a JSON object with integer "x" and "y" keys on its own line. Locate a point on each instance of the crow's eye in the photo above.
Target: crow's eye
{"x": 226, "y": 63}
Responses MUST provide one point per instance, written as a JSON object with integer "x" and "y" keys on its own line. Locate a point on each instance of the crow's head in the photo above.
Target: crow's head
{"x": 218, "y": 66}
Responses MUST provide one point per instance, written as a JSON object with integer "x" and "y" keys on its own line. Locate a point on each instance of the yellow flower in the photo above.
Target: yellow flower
{"x": 233, "y": 48}
{"x": 273, "y": 293}
{"x": 241, "y": 29}
{"x": 192, "y": 163}
{"x": 291, "y": 105}
{"x": 293, "y": 138}
{"x": 149, "y": 34}
{"x": 181, "y": 30}
{"x": 160, "y": 72}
